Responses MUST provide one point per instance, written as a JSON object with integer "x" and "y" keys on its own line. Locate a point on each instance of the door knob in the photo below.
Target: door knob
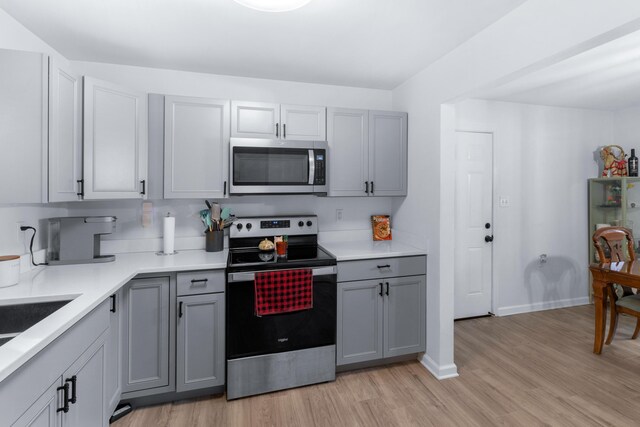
{"x": 488, "y": 239}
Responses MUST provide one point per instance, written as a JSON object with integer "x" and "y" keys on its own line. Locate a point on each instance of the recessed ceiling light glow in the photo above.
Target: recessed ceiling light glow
{"x": 273, "y": 5}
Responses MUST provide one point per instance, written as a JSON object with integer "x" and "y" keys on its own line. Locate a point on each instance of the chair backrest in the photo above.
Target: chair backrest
{"x": 614, "y": 238}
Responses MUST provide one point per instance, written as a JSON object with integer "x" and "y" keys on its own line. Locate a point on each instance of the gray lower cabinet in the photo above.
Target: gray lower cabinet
{"x": 44, "y": 411}
{"x": 381, "y": 317}
{"x": 200, "y": 342}
{"x": 145, "y": 334}
{"x": 113, "y": 356}
{"x": 360, "y": 322}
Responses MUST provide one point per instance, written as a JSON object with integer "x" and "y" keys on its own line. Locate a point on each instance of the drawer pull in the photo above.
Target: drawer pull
{"x": 203, "y": 281}
{"x": 384, "y": 266}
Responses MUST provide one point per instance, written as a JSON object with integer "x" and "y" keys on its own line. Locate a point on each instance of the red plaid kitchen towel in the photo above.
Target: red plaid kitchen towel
{"x": 283, "y": 291}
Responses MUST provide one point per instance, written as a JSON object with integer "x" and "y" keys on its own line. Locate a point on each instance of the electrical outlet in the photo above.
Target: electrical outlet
{"x": 504, "y": 202}
{"x": 339, "y": 214}
{"x": 20, "y": 234}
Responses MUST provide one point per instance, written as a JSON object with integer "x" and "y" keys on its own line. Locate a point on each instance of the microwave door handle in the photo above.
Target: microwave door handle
{"x": 312, "y": 168}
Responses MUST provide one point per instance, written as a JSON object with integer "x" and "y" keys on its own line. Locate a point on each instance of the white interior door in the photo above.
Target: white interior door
{"x": 473, "y": 224}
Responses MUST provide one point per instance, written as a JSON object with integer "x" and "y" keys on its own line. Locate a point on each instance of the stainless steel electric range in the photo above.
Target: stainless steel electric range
{"x": 278, "y": 351}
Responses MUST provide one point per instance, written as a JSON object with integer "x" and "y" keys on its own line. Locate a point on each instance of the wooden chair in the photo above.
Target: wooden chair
{"x": 628, "y": 303}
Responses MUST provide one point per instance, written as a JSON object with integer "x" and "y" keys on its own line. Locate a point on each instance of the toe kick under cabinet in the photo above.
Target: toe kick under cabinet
{"x": 381, "y": 309}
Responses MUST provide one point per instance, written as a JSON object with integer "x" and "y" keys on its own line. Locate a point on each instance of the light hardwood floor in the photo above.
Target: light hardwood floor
{"x": 522, "y": 370}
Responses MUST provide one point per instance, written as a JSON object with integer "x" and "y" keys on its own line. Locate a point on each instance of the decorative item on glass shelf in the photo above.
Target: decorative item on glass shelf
{"x": 614, "y": 164}
{"x": 633, "y": 163}
{"x": 381, "y": 225}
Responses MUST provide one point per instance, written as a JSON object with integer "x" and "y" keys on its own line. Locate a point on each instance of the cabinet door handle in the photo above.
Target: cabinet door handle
{"x": 224, "y": 193}
{"x": 80, "y": 192}
{"x": 366, "y": 187}
{"x": 65, "y": 397}
{"x": 113, "y": 303}
{"x": 277, "y": 129}
{"x": 387, "y": 283}
{"x": 284, "y": 131}
{"x": 74, "y": 395}
{"x": 180, "y": 309}
{"x": 383, "y": 266}
{"x": 371, "y": 187}
{"x": 203, "y": 281}
{"x": 380, "y": 293}
{"x": 144, "y": 187}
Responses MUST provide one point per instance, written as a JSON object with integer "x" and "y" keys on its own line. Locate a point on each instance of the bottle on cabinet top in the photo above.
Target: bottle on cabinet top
{"x": 633, "y": 163}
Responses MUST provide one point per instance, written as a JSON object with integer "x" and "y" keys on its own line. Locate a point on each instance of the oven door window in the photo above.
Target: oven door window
{"x": 270, "y": 166}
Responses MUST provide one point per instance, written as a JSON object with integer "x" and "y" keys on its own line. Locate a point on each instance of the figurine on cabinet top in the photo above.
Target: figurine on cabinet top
{"x": 614, "y": 165}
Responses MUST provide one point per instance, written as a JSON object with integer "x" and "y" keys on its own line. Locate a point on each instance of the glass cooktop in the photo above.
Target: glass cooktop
{"x": 297, "y": 256}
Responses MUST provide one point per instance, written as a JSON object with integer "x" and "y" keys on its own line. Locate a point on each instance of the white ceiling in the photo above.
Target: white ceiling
{"x": 372, "y": 43}
{"x": 606, "y": 77}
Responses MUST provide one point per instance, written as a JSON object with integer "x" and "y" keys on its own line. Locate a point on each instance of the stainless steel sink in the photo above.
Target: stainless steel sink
{"x": 17, "y": 318}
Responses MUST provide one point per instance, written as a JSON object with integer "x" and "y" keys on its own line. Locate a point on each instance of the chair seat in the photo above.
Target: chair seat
{"x": 632, "y": 302}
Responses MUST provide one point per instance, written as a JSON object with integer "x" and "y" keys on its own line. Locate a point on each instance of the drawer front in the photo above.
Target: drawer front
{"x": 200, "y": 282}
{"x": 381, "y": 267}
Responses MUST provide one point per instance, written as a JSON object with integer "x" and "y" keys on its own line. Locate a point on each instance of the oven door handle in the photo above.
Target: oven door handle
{"x": 250, "y": 276}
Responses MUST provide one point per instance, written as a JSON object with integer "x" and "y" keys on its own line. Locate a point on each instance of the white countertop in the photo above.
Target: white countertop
{"x": 88, "y": 285}
{"x": 367, "y": 249}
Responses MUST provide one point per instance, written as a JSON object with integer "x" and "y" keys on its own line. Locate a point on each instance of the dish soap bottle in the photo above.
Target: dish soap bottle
{"x": 633, "y": 163}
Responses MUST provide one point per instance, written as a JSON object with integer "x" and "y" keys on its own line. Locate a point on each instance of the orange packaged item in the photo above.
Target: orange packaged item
{"x": 381, "y": 225}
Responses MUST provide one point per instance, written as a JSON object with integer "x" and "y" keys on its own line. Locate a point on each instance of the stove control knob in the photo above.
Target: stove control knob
{"x": 239, "y": 226}
{"x": 249, "y": 226}
{"x": 300, "y": 223}
{"x": 309, "y": 223}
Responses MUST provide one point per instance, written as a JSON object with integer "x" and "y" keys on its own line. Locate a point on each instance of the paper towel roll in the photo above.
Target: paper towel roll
{"x": 169, "y": 225}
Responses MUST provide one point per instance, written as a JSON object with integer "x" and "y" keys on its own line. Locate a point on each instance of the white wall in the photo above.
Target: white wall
{"x": 536, "y": 34}
{"x": 543, "y": 157}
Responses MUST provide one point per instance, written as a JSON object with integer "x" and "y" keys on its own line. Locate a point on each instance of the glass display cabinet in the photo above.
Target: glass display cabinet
{"x": 614, "y": 201}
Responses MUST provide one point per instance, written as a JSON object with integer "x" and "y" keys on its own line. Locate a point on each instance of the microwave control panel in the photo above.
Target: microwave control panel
{"x": 320, "y": 160}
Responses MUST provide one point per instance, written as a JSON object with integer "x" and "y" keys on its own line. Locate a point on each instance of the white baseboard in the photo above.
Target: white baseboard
{"x": 541, "y": 306}
{"x": 440, "y": 372}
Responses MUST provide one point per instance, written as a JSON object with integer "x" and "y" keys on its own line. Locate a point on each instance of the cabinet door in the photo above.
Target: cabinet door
{"x": 145, "y": 334}
{"x": 23, "y": 127}
{"x": 113, "y": 379}
{"x": 303, "y": 123}
{"x": 196, "y": 159}
{"x": 404, "y": 315}
{"x": 65, "y": 127}
{"x": 86, "y": 383}
{"x": 255, "y": 120}
{"x": 44, "y": 411}
{"x": 360, "y": 309}
{"x": 115, "y": 141}
{"x": 388, "y": 153}
{"x": 348, "y": 138}
{"x": 200, "y": 342}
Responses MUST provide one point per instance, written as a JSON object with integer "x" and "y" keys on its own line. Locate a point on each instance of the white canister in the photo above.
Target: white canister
{"x": 9, "y": 270}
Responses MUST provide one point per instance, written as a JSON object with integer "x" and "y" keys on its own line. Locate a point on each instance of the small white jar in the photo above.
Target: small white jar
{"x": 9, "y": 270}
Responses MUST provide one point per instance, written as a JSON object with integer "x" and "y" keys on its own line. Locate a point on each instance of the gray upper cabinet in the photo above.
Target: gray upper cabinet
{"x": 367, "y": 152}
{"x": 275, "y": 121}
{"x": 388, "y": 153}
{"x": 145, "y": 334}
{"x": 65, "y": 133}
{"x": 348, "y": 138}
{"x": 200, "y": 358}
{"x": 23, "y": 126}
{"x": 255, "y": 120}
{"x": 113, "y": 355}
{"x": 303, "y": 123}
{"x": 405, "y": 316}
{"x": 196, "y": 147}
{"x": 360, "y": 322}
{"x": 115, "y": 141}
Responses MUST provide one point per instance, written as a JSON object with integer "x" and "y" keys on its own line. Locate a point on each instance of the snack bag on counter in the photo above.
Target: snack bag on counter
{"x": 381, "y": 225}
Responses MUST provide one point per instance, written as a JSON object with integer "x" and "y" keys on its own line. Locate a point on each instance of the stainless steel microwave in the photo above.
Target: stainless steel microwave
{"x": 268, "y": 166}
